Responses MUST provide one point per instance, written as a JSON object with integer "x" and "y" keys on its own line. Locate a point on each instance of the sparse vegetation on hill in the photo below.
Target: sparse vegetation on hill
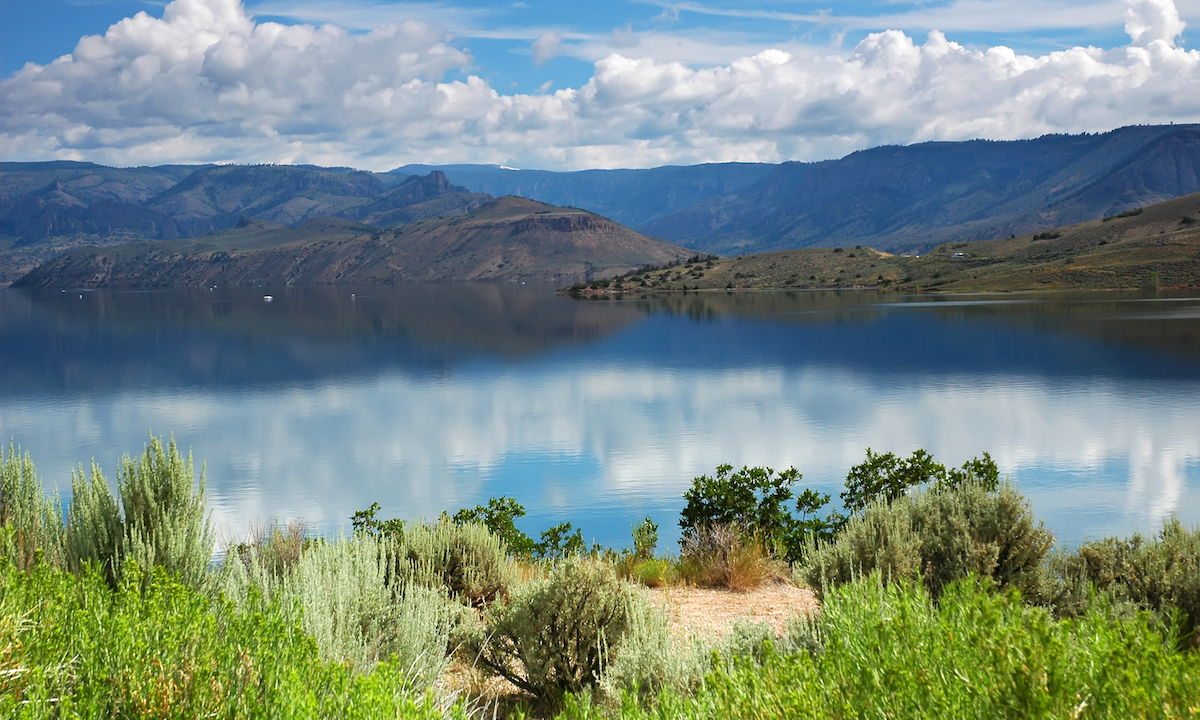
{"x": 1157, "y": 246}
{"x": 939, "y": 599}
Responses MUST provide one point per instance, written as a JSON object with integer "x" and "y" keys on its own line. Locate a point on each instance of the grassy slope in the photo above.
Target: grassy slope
{"x": 1118, "y": 252}
{"x": 506, "y": 239}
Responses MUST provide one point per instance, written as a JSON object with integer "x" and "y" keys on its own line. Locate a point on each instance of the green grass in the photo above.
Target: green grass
{"x": 72, "y": 647}
{"x": 889, "y": 652}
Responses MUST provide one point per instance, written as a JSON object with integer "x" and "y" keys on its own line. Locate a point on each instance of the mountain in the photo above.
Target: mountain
{"x": 630, "y": 197}
{"x": 217, "y": 198}
{"x": 1153, "y": 246}
{"x": 919, "y": 196}
{"x": 47, "y": 208}
{"x": 505, "y": 239}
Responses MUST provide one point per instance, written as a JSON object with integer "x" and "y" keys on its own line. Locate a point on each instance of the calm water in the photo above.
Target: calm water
{"x": 433, "y": 398}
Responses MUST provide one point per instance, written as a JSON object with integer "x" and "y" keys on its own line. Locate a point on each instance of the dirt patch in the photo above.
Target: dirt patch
{"x": 714, "y": 612}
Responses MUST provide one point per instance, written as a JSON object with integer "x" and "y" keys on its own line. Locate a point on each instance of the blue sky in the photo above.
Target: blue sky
{"x": 558, "y": 85}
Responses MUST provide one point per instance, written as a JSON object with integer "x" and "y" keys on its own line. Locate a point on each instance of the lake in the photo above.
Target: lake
{"x": 432, "y": 398}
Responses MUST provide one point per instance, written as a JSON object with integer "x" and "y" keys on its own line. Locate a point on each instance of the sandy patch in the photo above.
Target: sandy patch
{"x": 714, "y": 612}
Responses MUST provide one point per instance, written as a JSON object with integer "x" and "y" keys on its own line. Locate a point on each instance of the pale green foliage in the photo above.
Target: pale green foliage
{"x": 336, "y": 591}
{"x": 95, "y": 532}
{"x": 467, "y": 559}
{"x": 1161, "y": 574}
{"x": 652, "y": 658}
{"x": 35, "y": 521}
{"x": 162, "y": 520}
{"x": 555, "y": 635}
{"x": 939, "y": 535}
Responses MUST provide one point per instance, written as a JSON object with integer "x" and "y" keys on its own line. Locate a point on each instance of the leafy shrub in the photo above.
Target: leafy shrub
{"x": 554, "y": 636}
{"x": 941, "y": 534}
{"x": 645, "y": 539}
{"x": 499, "y": 517}
{"x": 467, "y": 560}
{"x": 364, "y": 522}
{"x": 1158, "y": 575}
{"x": 754, "y": 502}
{"x": 34, "y": 522}
{"x": 887, "y": 477}
{"x": 721, "y": 556}
{"x": 560, "y": 541}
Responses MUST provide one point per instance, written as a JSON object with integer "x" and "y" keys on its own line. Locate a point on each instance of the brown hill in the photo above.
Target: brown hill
{"x": 1158, "y": 245}
{"x": 506, "y": 239}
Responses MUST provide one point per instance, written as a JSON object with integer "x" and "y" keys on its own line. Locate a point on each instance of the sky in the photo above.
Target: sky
{"x": 377, "y": 84}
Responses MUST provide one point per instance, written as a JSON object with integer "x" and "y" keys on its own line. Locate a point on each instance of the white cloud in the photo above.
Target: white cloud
{"x": 209, "y": 83}
{"x": 546, "y": 47}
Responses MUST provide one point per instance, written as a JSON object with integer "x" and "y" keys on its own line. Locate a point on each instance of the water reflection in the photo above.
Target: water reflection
{"x": 602, "y": 412}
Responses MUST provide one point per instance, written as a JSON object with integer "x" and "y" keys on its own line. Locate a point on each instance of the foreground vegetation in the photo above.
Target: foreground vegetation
{"x": 941, "y": 596}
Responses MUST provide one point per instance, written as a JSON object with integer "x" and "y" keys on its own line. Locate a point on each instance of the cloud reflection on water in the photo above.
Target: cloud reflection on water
{"x": 604, "y": 444}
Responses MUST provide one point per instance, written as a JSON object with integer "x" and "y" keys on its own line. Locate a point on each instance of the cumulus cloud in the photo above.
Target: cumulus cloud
{"x": 206, "y": 82}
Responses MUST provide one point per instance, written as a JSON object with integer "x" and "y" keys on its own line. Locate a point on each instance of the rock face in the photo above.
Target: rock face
{"x": 919, "y": 196}
{"x": 506, "y": 239}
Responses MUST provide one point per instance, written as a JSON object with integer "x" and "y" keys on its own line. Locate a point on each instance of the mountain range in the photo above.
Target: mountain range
{"x": 509, "y": 238}
{"x": 894, "y": 198}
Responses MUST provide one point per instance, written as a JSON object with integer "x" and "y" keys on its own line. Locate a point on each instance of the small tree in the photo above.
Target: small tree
{"x": 499, "y": 516}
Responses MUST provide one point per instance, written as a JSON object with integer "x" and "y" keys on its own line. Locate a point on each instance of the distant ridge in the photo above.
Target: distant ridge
{"x": 903, "y": 199}
{"x": 505, "y": 239}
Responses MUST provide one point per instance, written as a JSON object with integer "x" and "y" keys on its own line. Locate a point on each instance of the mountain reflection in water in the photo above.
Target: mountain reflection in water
{"x": 600, "y": 412}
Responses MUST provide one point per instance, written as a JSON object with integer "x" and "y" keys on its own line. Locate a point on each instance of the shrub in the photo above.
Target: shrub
{"x": 467, "y": 560}
{"x": 499, "y": 517}
{"x": 34, "y": 522}
{"x": 554, "y": 636}
{"x": 939, "y": 535}
{"x": 161, "y": 522}
{"x": 887, "y": 477}
{"x": 652, "y": 658}
{"x": 364, "y": 522}
{"x": 560, "y": 541}
{"x": 720, "y": 556}
{"x": 645, "y": 539}
{"x": 1158, "y": 575}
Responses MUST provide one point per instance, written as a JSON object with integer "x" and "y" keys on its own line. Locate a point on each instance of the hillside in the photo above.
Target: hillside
{"x": 506, "y": 239}
{"x": 1155, "y": 246}
{"x": 47, "y": 208}
{"x": 913, "y": 198}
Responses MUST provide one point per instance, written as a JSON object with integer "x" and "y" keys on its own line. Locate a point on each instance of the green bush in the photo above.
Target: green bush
{"x": 499, "y": 516}
{"x": 1160, "y": 575}
{"x": 555, "y": 636}
{"x": 939, "y": 535}
{"x": 886, "y": 477}
{"x": 645, "y": 539}
{"x": 34, "y": 522}
{"x": 467, "y": 560}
